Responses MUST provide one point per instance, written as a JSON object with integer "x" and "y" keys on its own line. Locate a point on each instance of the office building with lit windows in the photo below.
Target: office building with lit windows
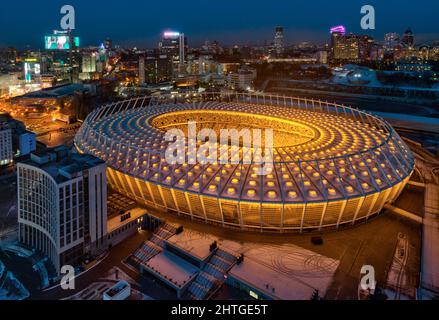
{"x": 6, "y": 155}
{"x": 174, "y": 45}
{"x": 347, "y": 48}
{"x": 391, "y": 41}
{"x": 279, "y": 41}
{"x": 332, "y": 165}
{"x": 336, "y": 33}
{"x": 155, "y": 69}
{"x": 62, "y": 205}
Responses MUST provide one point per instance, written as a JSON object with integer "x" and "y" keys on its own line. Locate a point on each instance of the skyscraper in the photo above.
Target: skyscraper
{"x": 6, "y": 156}
{"x": 89, "y": 62}
{"x": 346, "y": 48}
{"x": 279, "y": 41}
{"x": 141, "y": 70}
{"x": 62, "y": 205}
{"x": 155, "y": 68}
{"x": 408, "y": 39}
{"x": 174, "y": 45}
{"x": 336, "y": 33}
{"x": 391, "y": 41}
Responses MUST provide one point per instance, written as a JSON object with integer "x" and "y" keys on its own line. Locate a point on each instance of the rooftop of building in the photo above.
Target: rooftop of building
{"x": 173, "y": 269}
{"x": 8, "y": 122}
{"x": 3, "y": 126}
{"x": 194, "y": 243}
{"x": 117, "y": 288}
{"x": 61, "y": 164}
{"x": 55, "y": 92}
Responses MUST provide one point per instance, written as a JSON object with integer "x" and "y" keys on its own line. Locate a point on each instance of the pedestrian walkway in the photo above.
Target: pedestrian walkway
{"x": 212, "y": 276}
{"x": 404, "y": 213}
{"x": 152, "y": 247}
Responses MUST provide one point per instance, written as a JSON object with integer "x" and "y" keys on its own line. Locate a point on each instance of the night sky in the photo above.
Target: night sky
{"x": 134, "y": 22}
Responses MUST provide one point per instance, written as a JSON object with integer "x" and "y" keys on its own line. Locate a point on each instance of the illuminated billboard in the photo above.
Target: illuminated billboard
{"x": 338, "y": 29}
{"x": 171, "y": 34}
{"x": 60, "y": 42}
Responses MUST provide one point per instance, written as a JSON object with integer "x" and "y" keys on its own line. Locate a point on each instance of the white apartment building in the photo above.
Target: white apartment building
{"x": 62, "y": 205}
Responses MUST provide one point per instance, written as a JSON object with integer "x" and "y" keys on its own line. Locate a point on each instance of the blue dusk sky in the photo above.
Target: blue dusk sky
{"x": 139, "y": 23}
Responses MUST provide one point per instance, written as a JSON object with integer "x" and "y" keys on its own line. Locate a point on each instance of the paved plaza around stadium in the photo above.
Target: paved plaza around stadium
{"x": 333, "y": 267}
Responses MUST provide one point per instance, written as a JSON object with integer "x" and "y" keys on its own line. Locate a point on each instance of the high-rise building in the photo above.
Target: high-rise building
{"x": 174, "y": 45}
{"x": 336, "y": 33}
{"x": 346, "y": 48}
{"x": 6, "y": 155}
{"x": 32, "y": 69}
{"x": 352, "y": 48}
{"x": 141, "y": 70}
{"x": 366, "y": 44}
{"x": 391, "y": 41}
{"x": 63, "y": 47}
{"x": 62, "y": 205}
{"x": 279, "y": 41}
{"x": 408, "y": 38}
{"x": 155, "y": 68}
{"x": 89, "y": 62}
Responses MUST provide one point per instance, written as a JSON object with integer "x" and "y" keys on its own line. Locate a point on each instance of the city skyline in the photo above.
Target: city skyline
{"x": 141, "y": 24}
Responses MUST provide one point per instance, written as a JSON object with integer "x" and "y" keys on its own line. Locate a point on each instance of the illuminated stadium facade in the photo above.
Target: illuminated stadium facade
{"x": 332, "y": 165}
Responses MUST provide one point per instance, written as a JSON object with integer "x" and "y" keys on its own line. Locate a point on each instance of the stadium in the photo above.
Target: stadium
{"x": 332, "y": 165}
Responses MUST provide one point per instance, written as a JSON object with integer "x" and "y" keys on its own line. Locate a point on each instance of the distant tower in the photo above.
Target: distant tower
{"x": 6, "y": 153}
{"x": 174, "y": 45}
{"x": 141, "y": 70}
{"x": 183, "y": 48}
{"x": 391, "y": 41}
{"x": 408, "y": 39}
{"x": 279, "y": 41}
{"x": 337, "y": 32}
